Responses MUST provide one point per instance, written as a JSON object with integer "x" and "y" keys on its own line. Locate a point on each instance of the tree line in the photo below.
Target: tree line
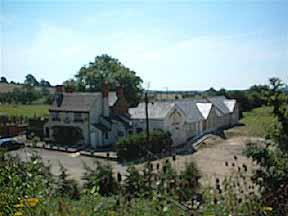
{"x": 27, "y": 92}
{"x": 29, "y": 80}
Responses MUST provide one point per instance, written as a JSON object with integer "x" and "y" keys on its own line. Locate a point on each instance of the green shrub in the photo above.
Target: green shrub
{"x": 100, "y": 179}
{"x": 19, "y": 180}
{"x": 67, "y": 187}
{"x": 135, "y": 146}
{"x": 133, "y": 184}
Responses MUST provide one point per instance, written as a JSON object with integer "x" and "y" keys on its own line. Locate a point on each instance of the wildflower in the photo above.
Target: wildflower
{"x": 165, "y": 209}
{"x": 268, "y": 209}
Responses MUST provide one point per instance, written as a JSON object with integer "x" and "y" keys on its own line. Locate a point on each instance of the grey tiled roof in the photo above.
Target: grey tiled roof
{"x": 223, "y": 104}
{"x": 194, "y": 110}
{"x": 81, "y": 102}
{"x": 159, "y": 110}
{"x": 156, "y": 110}
{"x": 189, "y": 107}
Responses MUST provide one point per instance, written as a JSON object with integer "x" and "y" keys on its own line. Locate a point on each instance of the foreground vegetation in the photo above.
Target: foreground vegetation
{"x": 29, "y": 188}
{"x": 24, "y": 110}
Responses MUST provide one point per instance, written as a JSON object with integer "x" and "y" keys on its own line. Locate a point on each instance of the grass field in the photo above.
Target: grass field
{"x": 257, "y": 123}
{"x": 24, "y": 110}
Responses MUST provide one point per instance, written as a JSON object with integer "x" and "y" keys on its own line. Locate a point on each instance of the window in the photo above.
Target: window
{"x": 78, "y": 117}
{"x": 55, "y": 116}
{"x": 67, "y": 118}
{"x": 106, "y": 135}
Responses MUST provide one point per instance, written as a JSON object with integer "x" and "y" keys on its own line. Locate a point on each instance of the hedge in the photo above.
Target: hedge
{"x": 135, "y": 146}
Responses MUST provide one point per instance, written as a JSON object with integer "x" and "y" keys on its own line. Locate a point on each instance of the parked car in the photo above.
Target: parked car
{"x": 10, "y": 144}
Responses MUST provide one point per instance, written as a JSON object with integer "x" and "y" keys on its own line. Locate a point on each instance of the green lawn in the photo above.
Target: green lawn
{"x": 256, "y": 123}
{"x": 24, "y": 110}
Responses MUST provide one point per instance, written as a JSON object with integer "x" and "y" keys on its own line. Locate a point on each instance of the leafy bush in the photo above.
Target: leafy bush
{"x": 19, "y": 180}
{"x": 135, "y": 146}
{"x": 155, "y": 189}
{"x": 67, "y": 187}
{"x": 271, "y": 176}
{"x": 133, "y": 184}
{"x": 100, "y": 179}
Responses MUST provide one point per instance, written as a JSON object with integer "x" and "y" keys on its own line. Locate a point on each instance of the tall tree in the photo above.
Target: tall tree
{"x": 3, "y": 80}
{"x": 44, "y": 83}
{"x": 279, "y": 100}
{"x": 106, "y": 68}
{"x": 271, "y": 174}
{"x": 31, "y": 80}
{"x": 70, "y": 85}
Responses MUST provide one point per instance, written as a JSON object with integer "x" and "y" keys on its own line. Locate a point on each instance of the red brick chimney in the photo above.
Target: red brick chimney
{"x": 59, "y": 88}
{"x": 119, "y": 91}
{"x": 121, "y": 105}
{"x": 105, "y": 95}
{"x": 105, "y": 89}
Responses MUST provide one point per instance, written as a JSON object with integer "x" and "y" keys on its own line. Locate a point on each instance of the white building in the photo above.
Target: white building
{"x": 101, "y": 118}
{"x": 227, "y": 111}
{"x": 186, "y": 119}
